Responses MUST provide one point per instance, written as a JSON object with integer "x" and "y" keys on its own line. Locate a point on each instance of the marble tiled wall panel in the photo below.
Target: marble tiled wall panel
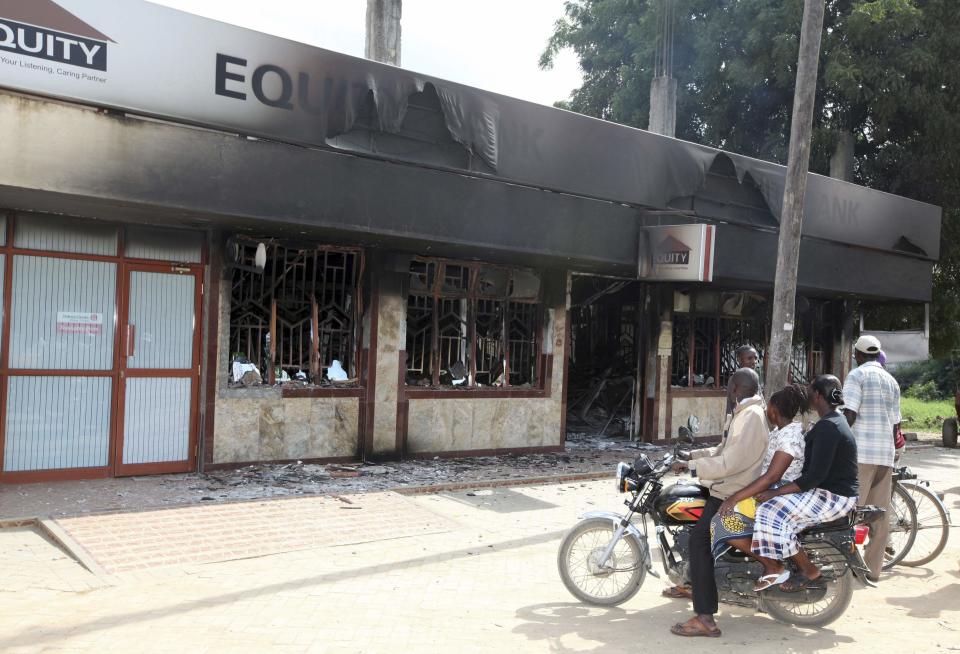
{"x": 269, "y": 429}
{"x": 467, "y": 424}
{"x": 711, "y": 411}
{"x": 390, "y": 339}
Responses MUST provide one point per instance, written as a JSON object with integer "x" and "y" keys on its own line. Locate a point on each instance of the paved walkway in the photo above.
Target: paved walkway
{"x": 486, "y": 584}
{"x": 120, "y": 542}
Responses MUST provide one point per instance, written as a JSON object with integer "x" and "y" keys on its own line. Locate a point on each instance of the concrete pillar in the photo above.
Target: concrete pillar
{"x": 842, "y": 159}
{"x": 383, "y": 31}
{"x": 664, "y": 350}
{"x": 391, "y": 315}
{"x": 663, "y": 106}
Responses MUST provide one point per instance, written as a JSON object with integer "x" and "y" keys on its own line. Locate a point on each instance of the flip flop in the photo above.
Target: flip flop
{"x": 678, "y": 592}
{"x": 798, "y": 583}
{"x": 694, "y": 628}
{"x": 768, "y": 581}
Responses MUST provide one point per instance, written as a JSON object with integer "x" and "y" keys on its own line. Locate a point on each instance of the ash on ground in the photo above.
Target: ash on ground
{"x": 584, "y": 454}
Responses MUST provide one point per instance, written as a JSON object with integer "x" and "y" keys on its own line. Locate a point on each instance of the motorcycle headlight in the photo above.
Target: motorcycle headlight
{"x": 626, "y": 483}
{"x": 623, "y": 469}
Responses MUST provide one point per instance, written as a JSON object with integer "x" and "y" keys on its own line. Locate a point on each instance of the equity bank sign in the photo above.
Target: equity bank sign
{"x": 677, "y": 253}
{"x": 42, "y": 29}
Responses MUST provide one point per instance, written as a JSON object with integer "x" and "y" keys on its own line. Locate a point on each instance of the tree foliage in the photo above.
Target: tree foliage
{"x": 888, "y": 75}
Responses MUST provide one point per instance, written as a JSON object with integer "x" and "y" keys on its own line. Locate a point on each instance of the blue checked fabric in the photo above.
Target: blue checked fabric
{"x": 874, "y": 395}
{"x": 781, "y": 518}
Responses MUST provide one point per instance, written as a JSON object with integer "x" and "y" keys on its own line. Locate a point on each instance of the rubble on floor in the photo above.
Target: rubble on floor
{"x": 601, "y": 400}
{"x": 581, "y": 456}
{"x": 584, "y": 454}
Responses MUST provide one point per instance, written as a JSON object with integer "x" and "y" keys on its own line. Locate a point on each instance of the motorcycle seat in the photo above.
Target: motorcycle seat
{"x": 833, "y": 525}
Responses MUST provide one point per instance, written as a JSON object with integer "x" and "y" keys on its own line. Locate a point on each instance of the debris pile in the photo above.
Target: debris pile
{"x": 601, "y": 400}
{"x": 265, "y": 480}
{"x": 586, "y": 454}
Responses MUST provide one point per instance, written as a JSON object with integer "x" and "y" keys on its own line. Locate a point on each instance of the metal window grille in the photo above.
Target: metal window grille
{"x": 472, "y": 322}
{"x": 305, "y": 304}
{"x": 704, "y": 348}
{"x": 734, "y": 333}
{"x": 522, "y": 343}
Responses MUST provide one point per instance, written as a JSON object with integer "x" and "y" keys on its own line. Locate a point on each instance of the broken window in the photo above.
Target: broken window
{"x": 298, "y": 315}
{"x": 734, "y": 333}
{"x": 472, "y": 325}
{"x": 704, "y": 348}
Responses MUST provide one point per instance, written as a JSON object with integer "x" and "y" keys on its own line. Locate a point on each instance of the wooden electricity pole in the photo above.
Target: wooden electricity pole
{"x": 791, "y": 220}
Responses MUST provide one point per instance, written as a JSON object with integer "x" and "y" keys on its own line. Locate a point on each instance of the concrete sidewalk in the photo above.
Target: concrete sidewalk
{"x": 487, "y": 583}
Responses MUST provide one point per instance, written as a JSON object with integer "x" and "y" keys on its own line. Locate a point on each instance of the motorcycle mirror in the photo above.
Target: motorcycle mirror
{"x": 693, "y": 423}
{"x": 684, "y": 435}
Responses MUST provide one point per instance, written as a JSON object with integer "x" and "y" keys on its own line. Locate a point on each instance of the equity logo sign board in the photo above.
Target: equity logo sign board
{"x": 677, "y": 253}
{"x": 42, "y": 29}
{"x": 143, "y": 58}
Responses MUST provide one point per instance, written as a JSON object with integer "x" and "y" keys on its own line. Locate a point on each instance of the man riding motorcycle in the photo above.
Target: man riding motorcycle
{"x": 724, "y": 469}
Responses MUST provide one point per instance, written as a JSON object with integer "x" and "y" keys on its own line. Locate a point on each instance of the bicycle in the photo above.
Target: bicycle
{"x": 902, "y": 517}
{"x": 933, "y": 521}
{"x": 919, "y": 522}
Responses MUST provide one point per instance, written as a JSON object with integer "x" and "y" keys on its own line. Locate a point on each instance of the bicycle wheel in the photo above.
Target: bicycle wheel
{"x": 903, "y": 527}
{"x": 933, "y": 526}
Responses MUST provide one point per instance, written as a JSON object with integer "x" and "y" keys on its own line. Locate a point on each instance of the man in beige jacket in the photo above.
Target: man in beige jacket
{"x": 724, "y": 469}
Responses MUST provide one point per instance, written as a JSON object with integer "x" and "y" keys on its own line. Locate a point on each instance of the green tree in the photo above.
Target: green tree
{"x": 887, "y": 77}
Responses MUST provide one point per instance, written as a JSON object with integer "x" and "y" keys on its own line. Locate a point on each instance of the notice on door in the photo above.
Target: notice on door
{"x": 78, "y": 322}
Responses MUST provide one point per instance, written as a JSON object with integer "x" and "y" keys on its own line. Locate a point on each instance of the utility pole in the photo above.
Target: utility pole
{"x": 383, "y": 31}
{"x": 791, "y": 219}
{"x": 663, "y": 86}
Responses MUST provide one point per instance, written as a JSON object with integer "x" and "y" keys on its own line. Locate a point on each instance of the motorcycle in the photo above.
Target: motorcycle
{"x": 605, "y": 558}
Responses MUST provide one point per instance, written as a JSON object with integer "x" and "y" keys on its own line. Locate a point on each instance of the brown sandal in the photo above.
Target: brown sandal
{"x": 694, "y": 628}
{"x": 678, "y": 592}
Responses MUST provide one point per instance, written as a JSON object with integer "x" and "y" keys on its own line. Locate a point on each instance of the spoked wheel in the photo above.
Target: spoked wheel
{"x": 579, "y": 564}
{"x": 903, "y": 527}
{"x": 933, "y": 526}
{"x": 833, "y": 591}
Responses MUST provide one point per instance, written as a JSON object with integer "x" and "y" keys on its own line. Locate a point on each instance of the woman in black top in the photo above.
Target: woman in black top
{"x": 826, "y": 490}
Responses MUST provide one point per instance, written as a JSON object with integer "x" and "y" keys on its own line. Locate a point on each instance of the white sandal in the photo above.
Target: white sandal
{"x": 768, "y": 581}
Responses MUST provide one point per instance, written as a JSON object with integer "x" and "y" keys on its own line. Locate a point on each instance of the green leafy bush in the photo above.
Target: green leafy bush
{"x": 926, "y": 391}
{"x": 935, "y": 379}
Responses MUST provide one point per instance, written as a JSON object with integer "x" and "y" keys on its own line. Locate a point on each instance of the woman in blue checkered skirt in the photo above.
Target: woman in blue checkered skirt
{"x": 826, "y": 490}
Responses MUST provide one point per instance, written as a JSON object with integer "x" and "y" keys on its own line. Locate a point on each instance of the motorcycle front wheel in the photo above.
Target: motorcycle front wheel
{"x": 579, "y": 564}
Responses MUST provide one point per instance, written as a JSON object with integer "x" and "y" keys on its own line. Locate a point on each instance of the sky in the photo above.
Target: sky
{"x": 490, "y": 44}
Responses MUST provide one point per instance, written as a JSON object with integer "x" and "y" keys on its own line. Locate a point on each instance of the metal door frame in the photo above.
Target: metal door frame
{"x": 115, "y": 449}
{"x": 121, "y": 469}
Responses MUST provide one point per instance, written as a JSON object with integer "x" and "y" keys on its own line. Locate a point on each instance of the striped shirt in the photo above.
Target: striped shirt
{"x": 874, "y": 395}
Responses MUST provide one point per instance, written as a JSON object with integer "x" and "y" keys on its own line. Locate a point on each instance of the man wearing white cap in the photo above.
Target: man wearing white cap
{"x": 872, "y": 406}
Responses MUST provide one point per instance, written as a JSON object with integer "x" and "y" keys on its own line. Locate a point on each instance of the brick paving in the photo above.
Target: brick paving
{"x": 121, "y": 542}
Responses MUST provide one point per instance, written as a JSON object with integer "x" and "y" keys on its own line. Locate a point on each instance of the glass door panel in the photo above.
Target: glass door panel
{"x": 159, "y": 371}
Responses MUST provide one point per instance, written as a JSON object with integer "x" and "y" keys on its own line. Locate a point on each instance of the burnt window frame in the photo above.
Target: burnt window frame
{"x": 722, "y": 355}
{"x": 268, "y": 354}
{"x": 429, "y": 289}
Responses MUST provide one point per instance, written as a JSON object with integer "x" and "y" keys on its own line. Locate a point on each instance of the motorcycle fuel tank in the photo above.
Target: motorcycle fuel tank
{"x": 681, "y": 503}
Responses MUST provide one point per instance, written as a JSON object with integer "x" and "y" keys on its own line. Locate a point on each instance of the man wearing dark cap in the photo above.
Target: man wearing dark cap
{"x": 872, "y": 408}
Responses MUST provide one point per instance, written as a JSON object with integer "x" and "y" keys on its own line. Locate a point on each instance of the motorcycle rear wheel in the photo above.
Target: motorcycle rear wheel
{"x": 578, "y": 558}
{"x": 825, "y": 611}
